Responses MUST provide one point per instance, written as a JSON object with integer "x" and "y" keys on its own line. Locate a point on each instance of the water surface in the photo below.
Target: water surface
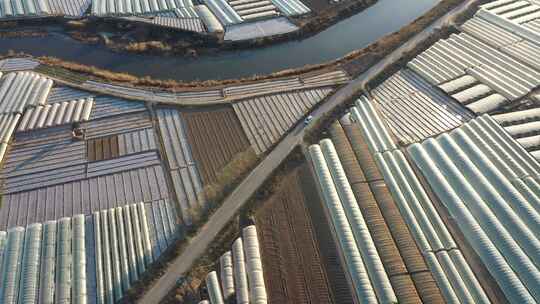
{"x": 356, "y": 32}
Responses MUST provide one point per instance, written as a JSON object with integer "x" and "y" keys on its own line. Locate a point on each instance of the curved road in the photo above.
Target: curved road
{"x": 253, "y": 181}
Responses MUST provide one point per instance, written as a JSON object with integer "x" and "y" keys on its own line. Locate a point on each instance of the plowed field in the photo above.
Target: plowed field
{"x": 294, "y": 268}
{"x": 216, "y": 136}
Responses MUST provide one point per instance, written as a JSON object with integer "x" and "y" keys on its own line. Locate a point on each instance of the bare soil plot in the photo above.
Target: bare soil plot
{"x": 216, "y": 136}
{"x": 102, "y": 148}
{"x": 294, "y": 269}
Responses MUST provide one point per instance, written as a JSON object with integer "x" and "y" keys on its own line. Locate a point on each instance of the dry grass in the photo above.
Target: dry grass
{"x": 230, "y": 174}
{"x": 90, "y": 70}
{"x": 147, "y": 46}
{"x": 361, "y": 60}
{"x": 169, "y": 84}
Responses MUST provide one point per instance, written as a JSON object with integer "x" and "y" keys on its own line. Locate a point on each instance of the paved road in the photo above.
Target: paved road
{"x": 247, "y": 188}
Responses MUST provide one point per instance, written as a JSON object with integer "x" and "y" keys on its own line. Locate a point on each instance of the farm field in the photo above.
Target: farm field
{"x": 289, "y": 248}
{"x": 216, "y": 136}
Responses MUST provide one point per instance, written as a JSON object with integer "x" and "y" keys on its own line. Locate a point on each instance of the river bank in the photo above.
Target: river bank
{"x": 354, "y": 62}
{"x": 130, "y": 36}
{"x": 354, "y": 33}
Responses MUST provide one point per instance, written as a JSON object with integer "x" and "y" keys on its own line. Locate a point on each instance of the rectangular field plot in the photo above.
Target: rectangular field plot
{"x": 289, "y": 250}
{"x": 216, "y": 136}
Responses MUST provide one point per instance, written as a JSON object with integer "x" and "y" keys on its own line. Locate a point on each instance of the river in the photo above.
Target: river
{"x": 356, "y": 32}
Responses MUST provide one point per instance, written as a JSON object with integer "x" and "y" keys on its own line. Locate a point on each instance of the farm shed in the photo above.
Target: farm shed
{"x": 48, "y": 175}
{"x": 255, "y": 275}
{"x": 22, "y": 89}
{"x": 533, "y": 25}
{"x": 409, "y": 275}
{"x": 214, "y": 290}
{"x": 331, "y": 78}
{"x": 66, "y": 112}
{"x": 228, "y": 93}
{"x": 105, "y": 106}
{"x": 355, "y": 267}
{"x": 191, "y": 24}
{"x": 240, "y": 273}
{"x": 226, "y": 274}
{"x": 209, "y": 19}
{"x": 513, "y": 16}
{"x": 523, "y": 126}
{"x": 489, "y": 32}
{"x": 372, "y": 126}
{"x": 69, "y": 8}
{"x": 463, "y": 54}
{"x": 491, "y": 67}
{"x": 260, "y": 28}
{"x": 362, "y": 235}
{"x": 17, "y": 92}
{"x": 61, "y": 93}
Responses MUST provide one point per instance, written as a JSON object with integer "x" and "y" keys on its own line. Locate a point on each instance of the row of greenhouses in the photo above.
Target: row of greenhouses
{"x": 81, "y": 259}
{"x": 240, "y": 274}
{"x": 453, "y": 275}
{"x": 486, "y": 180}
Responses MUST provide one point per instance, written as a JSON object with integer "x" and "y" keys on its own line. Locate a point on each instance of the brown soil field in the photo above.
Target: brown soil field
{"x": 405, "y": 265}
{"x": 102, "y": 148}
{"x": 400, "y": 278}
{"x": 216, "y": 136}
{"x": 290, "y": 254}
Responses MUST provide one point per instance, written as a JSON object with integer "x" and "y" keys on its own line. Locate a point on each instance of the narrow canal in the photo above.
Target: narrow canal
{"x": 356, "y": 32}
